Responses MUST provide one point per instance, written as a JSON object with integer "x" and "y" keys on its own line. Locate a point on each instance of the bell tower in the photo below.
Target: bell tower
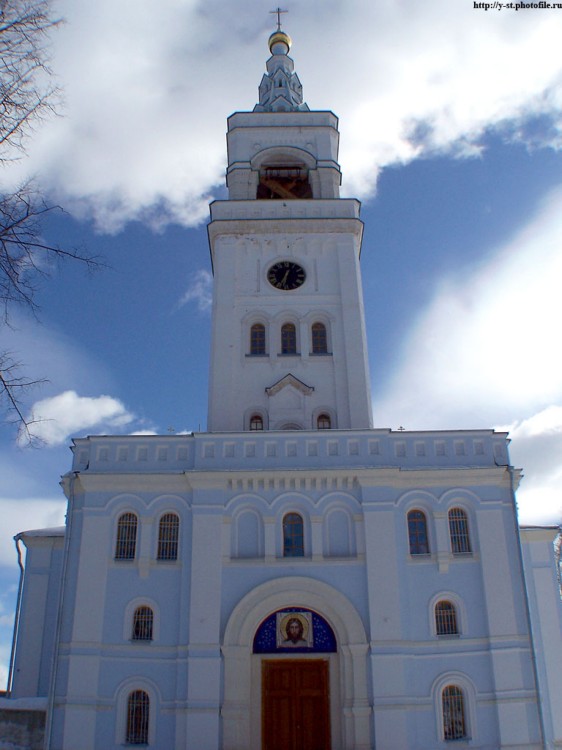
{"x": 288, "y": 346}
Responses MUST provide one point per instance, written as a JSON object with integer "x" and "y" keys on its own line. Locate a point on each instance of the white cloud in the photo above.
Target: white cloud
{"x": 487, "y": 345}
{"x": 142, "y": 132}
{"x": 486, "y": 352}
{"x": 55, "y": 419}
{"x": 537, "y": 447}
{"x": 546, "y": 422}
{"x": 33, "y": 513}
{"x": 200, "y": 290}
{"x": 48, "y": 353}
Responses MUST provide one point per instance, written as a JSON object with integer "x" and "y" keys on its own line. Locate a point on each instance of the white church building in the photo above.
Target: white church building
{"x": 293, "y": 578}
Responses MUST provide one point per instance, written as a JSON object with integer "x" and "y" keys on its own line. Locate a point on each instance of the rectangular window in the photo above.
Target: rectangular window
{"x": 454, "y": 724}
{"x": 417, "y": 533}
{"x": 288, "y": 339}
{"x": 126, "y": 543}
{"x": 445, "y": 619}
{"x": 458, "y": 530}
{"x": 168, "y": 532}
{"x": 293, "y": 535}
{"x": 137, "y": 718}
{"x": 319, "y": 339}
{"x": 257, "y": 339}
{"x": 142, "y": 624}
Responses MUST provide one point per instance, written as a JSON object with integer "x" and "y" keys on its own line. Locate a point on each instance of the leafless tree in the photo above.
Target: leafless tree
{"x": 26, "y": 97}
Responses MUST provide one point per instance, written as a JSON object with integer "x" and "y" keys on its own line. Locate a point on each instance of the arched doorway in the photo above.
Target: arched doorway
{"x": 297, "y": 645}
{"x": 344, "y": 670}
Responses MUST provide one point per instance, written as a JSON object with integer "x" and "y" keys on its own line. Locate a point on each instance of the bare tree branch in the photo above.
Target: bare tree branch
{"x": 24, "y": 254}
{"x": 26, "y": 97}
{"x": 26, "y": 91}
{"x": 11, "y": 386}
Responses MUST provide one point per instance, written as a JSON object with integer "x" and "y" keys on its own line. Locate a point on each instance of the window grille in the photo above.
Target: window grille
{"x": 168, "y": 532}
{"x": 137, "y": 718}
{"x": 288, "y": 339}
{"x": 142, "y": 624}
{"x": 319, "y": 339}
{"x": 458, "y": 530}
{"x": 293, "y": 535}
{"x": 417, "y": 533}
{"x": 446, "y": 618}
{"x": 257, "y": 339}
{"x": 256, "y": 422}
{"x": 126, "y": 537}
{"x": 454, "y": 724}
{"x": 324, "y": 422}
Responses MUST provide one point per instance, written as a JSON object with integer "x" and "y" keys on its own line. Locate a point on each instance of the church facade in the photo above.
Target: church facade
{"x": 293, "y": 577}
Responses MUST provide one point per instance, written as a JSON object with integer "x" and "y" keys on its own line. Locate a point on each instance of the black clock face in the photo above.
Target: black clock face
{"x": 286, "y": 275}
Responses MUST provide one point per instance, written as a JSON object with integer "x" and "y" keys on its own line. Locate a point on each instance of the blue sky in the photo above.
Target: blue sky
{"x": 451, "y": 137}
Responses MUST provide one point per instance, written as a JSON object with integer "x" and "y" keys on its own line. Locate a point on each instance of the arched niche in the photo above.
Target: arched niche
{"x": 313, "y": 634}
{"x": 350, "y": 710}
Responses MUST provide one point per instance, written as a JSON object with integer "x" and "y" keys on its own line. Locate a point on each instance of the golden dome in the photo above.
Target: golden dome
{"x": 279, "y": 37}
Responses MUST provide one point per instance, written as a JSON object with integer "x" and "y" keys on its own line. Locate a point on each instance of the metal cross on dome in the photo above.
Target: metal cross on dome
{"x": 278, "y": 11}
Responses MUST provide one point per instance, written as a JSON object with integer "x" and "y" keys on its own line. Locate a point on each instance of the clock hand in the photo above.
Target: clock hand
{"x": 284, "y": 279}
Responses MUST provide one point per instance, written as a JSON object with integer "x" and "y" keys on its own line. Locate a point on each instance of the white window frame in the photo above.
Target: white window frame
{"x": 128, "y": 616}
{"x": 460, "y": 609}
{"x": 122, "y": 713}
{"x": 461, "y": 681}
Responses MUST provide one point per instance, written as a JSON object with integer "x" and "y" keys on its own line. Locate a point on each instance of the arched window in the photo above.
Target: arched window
{"x": 288, "y": 339}
{"x": 256, "y": 422}
{"x": 138, "y": 707}
{"x": 446, "y": 619}
{"x": 168, "y": 533}
{"x": 319, "y": 339}
{"x": 454, "y": 723}
{"x": 143, "y": 620}
{"x": 458, "y": 530}
{"x": 257, "y": 339}
{"x": 126, "y": 543}
{"x": 417, "y": 533}
{"x": 324, "y": 422}
{"x": 293, "y": 535}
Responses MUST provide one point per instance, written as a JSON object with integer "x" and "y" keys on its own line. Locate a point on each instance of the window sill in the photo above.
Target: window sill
{"x": 320, "y": 354}
{"x": 289, "y": 354}
{"x": 265, "y": 355}
{"x": 421, "y": 557}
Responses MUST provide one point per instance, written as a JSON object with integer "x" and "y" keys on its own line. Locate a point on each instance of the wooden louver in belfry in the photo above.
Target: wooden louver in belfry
{"x": 284, "y": 183}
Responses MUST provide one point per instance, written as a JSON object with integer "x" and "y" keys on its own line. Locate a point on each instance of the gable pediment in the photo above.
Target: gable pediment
{"x": 292, "y": 381}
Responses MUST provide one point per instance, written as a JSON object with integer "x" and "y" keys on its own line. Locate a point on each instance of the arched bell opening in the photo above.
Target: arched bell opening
{"x": 284, "y": 182}
{"x": 285, "y": 173}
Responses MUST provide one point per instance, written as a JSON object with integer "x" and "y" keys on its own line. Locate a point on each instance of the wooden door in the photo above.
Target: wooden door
{"x": 295, "y": 704}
